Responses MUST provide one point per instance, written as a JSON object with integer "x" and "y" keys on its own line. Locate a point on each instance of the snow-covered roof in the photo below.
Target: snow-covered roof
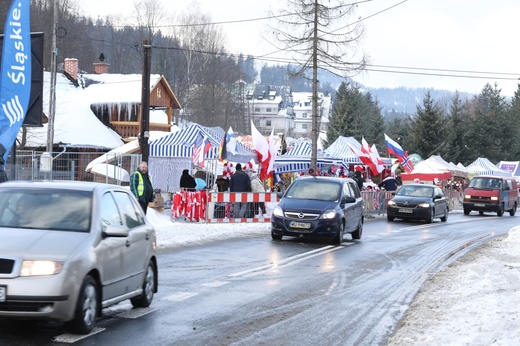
{"x": 75, "y": 124}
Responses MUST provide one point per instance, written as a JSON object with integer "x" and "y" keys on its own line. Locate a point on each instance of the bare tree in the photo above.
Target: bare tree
{"x": 316, "y": 35}
{"x": 149, "y": 15}
{"x": 201, "y": 44}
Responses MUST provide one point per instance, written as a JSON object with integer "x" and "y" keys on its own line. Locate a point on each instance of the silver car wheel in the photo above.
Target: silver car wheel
{"x": 149, "y": 283}
{"x": 89, "y": 305}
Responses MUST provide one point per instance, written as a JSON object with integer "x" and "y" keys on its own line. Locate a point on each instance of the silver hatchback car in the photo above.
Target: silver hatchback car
{"x": 69, "y": 249}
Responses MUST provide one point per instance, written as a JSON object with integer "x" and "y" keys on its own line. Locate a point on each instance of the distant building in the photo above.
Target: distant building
{"x": 302, "y": 110}
{"x": 267, "y": 107}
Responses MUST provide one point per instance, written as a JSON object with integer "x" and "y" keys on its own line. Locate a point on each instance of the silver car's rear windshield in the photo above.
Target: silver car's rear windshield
{"x": 49, "y": 209}
{"x": 311, "y": 189}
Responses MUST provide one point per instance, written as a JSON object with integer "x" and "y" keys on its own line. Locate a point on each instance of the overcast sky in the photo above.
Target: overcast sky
{"x": 441, "y": 38}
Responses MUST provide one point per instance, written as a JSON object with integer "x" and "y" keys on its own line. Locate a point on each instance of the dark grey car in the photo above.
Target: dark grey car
{"x": 69, "y": 249}
{"x": 419, "y": 202}
{"x": 319, "y": 207}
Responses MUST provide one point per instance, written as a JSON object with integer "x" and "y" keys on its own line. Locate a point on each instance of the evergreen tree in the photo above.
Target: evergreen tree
{"x": 429, "y": 129}
{"x": 514, "y": 117}
{"x": 457, "y": 132}
{"x": 491, "y": 134}
{"x": 357, "y": 115}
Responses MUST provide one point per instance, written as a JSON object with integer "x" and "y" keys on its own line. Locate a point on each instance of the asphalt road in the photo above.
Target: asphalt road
{"x": 256, "y": 291}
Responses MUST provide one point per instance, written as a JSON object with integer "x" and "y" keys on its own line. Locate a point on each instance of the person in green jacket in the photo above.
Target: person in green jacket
{"x": 141, "y": 186}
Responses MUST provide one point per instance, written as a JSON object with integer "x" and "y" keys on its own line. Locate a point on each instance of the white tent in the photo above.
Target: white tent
{"x": 482, "y": 166}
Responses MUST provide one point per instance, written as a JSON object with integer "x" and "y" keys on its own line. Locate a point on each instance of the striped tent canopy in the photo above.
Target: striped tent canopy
{"x": 340, "y": 149}
{"x": 304, "y": 149}
{"x": 180, "y": 144}
{"x": 294, "y": 163}
{"x": 483, "y": 166}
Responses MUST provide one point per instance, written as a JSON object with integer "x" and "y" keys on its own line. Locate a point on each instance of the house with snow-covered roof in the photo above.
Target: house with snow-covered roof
{"x": 101, "y": 110}
{"x": 97, "y": 112}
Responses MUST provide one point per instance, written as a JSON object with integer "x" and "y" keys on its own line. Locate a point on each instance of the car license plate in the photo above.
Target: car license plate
{"x": 480, "y": 205}
{"x": 406, "y": 210}
{"x": 295, "y": 224}
{"x": 3, "y": 293}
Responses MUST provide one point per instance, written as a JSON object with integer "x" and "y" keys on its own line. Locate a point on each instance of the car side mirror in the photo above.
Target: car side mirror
{"x": 116, "y": 231}
{"x": 279, "y": 194}
{"x": 348, "y": 199}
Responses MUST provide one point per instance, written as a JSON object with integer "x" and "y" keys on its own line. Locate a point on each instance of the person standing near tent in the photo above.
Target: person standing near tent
{"x": 187, "y": 182}
{"x": 141, "y": 186}
{"x": 240, "y": 182}
{"x": 257, "y": 186}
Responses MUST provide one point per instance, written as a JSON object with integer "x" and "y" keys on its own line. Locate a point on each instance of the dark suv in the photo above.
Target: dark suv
{"x": 319, "y": 206}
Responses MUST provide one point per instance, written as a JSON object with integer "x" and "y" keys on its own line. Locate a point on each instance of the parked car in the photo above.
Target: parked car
{"x": 319, "y": 207}
{"x": 69, "y": 249}
{"x": 491, "y": 193}
{"x": 420, "y": 202}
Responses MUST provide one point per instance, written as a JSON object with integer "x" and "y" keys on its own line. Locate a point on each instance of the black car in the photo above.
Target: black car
{"x": 321, "y": 207}
{"x": 420, "y": 202}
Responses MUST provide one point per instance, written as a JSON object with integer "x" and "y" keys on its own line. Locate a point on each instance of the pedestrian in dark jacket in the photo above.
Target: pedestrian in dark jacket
{"x": 359, "y": 179}
{"x": 3, "y": 175}
{"x": 240, "y": 182}
{"x": 141, "y": 186}
{"x": 187, "y": 182}
{"x": 389, "y": 184}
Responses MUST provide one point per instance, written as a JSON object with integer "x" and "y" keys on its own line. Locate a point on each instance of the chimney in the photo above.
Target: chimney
{"x": 71, "y": 67}
{"x": 101, "y": 66}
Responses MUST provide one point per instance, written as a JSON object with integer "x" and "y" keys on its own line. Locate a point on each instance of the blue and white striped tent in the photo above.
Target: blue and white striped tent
{"x": 340, "y": 149}
{"x": 180, "y": 144}
{"x": 296, "y": 163}
{"x": 173, "y": 153}
{"x": 304, "y": 149}
{"x": 482, "y": 166}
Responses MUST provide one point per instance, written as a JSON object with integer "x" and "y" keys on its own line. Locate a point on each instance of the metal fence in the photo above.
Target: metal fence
{"x": 70, "y": 166}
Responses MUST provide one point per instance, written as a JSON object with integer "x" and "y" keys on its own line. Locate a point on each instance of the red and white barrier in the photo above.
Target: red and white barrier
{"x": 225, "y": 201}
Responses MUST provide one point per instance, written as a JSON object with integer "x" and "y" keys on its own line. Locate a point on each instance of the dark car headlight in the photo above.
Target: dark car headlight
{"x": 328, "y": 214}
{"x": 277, "y": 211}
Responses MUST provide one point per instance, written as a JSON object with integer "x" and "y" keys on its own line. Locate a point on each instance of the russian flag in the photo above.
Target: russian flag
{"x": 394, "y": 148}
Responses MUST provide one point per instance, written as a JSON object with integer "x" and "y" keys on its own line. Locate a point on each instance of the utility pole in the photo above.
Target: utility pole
{"x": 315, "y": 116}
{"x": 52, "y": 96}
{"x": 46, "y": 158}
{"x": 145, "y": 101}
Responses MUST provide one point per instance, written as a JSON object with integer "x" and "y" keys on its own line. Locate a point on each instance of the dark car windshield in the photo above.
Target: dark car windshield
{"x": 314, "y": 189}
{"x": 50, "y": 209}
{"x": 485, "y": 183}
{"x": 415, "y": 191}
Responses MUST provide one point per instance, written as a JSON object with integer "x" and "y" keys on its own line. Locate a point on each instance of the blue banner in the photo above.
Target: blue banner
{"x": 15, "y": 76}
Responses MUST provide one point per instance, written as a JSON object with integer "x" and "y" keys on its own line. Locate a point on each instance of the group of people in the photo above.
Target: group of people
{"x": 246, "y": 182}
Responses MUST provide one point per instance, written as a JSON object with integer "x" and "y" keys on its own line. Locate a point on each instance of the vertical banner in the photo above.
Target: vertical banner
{"x": 15, "y": 77}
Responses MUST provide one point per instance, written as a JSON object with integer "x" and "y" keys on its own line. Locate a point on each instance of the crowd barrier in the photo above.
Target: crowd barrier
{"x": 236, "y": 207}
{"x": 240, "y": 206}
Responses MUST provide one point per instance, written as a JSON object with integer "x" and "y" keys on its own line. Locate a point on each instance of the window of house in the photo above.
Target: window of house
{"x": 304, "y": 126}
{"x": 268, "y": 123}
{"x": 268, "y": 110}
{"x": 257, "y": 109}
{"x": 304, "y": 115}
